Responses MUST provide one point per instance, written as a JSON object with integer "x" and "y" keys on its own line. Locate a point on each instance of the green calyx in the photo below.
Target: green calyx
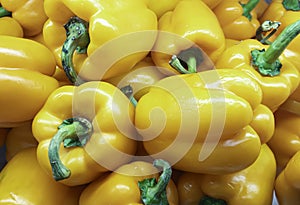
{"x": 154, "y": 192}
{"x": 77, "y": 40}
{"x": 267, "y": 61}
{"x": 73, "y": 132}
{"x": 187, "y": 60}
{"x": 248, "y": 7}
{"x": 4, "y": 12}
{"x": 293, "y": 5}
{"x": 206, "y": 200}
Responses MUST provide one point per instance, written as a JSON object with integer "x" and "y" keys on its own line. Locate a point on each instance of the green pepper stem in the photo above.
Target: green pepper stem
{"x": 267, "y": 61}
{"x": 77, "y": 40}
{"x": 266, "y": 26}
{"x": 153, "y": 193}
{"x": 78, "y": 130}
{"x": 128, "y": 91}
{"x": 207, "y": 200}
{"x": 293, "y": 5}
{"x": 248, "y": 7}
{"x": 163, "y": 179}
{"x": 4, "y": 12}
{"x": 190, "y": 57}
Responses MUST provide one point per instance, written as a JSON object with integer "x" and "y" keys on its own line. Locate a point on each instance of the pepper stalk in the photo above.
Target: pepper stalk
{"x": 187, "y": 60}
{"x": 77, "y": 40}
{"x": 267, "y": 61}
{"x": 248, "y": 7}
{"x": 266, "y": 26}
{"x": 154, "y": 192}
{"x": 128, "y": 91}
{"x": 72, "y": 132}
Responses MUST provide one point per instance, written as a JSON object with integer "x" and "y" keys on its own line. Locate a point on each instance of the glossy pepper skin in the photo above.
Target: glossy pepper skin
{"x": 251, "y": 186}
{"x": 279, "y": 11}
{"x": 212, "y": 3}
{"x": 94, "y": 123}
{"x": 140, "y": 78}
{"x": 98, "y": 28}
{"x": 22, "y": 178}
{"x": 30, "y": 14}
{"x": 9, "y": 26}
{"x": 163, "y": 6}
{"x": 277, "y": 76}
{"x": 191, "y": 24}
{"x": 238, "y": 21}
{"x": 285, "y": 141}
{"x": 177, "y": 99}
{"x": 127, "y": 184}
{"x": 24, "y": 53}
{"x": 25, "y": 71}
{"x": 287, "y": 183}
{"x": 263, "y": 123}
{"x": 19, "y": 138}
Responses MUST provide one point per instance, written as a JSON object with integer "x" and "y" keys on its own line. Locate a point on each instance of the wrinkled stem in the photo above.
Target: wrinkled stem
{"x": 128, "y": 91}
{"x": 267, "y": 26}
{"x": 248, "y": 7}
{"x": 206, "y": 200}
{"x": 4, "y": 12}
{"x": 187, "y": 60}
{"x": 293, "y": 5}
{"x": 76, "y": 132}
{"x": 152, "y": 192}
{"x": 266, "y": 61}
{"x": 77, "y": 40}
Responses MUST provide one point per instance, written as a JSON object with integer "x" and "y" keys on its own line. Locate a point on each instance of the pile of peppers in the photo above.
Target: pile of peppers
{"x": 139, "y": 102}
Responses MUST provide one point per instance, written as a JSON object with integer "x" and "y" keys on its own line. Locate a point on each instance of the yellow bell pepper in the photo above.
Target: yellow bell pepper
{"x": 84, "y": 131}
{"x": 61, "y": 77}
{"x": 24, "y": 53}
{"x": 23, "y": 181}
{"x": 251, "y": 186}
{"x": 30, "y": 91}
{"x": 230, "y": 42}
{"x": 135, "y": 183}
{"x": 30, "y": 14}
{"x": 212, "y": 3}
{"x": 38, "y": 38}
{"x": 279, "y": 8}
{"x": 19, "y": 138}
{"x": 192, "y": 33}
{"x": 286, "y": 12}
{"x": 140, "y": 78}
{"x": 75, "y": 29}
{"x": 3, "y": 133}
{"x": 263, "y": 123}
{"x": 277, "y": 76}
{"x": 163, "y": 6}
{"x": 9, "y": 26}
{"x": 286, "y": 139}
{"x": 202, "y": 142}
{"x": 287, "y": 183}
{"x": 261, "y": 7}
{"x": 238, "y": 21}
{"x": 25, "y": 71}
